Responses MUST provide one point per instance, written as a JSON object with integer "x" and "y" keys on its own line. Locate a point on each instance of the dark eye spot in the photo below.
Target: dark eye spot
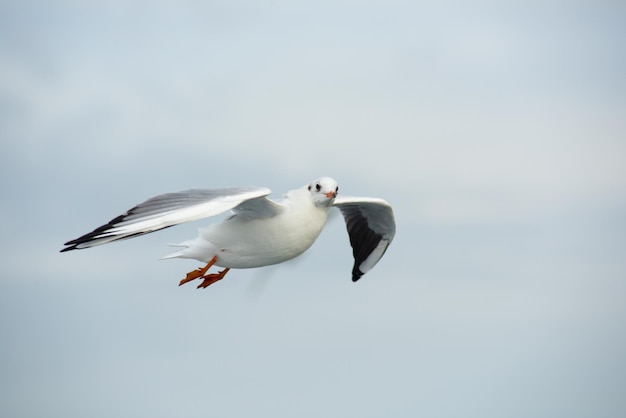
{"x": 318, "y": 187}
{"x": 337, "y": 189}
{"x": 309, "y": 187}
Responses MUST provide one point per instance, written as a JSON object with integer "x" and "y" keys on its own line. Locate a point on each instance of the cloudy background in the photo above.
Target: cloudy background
{"x": 497, "y": 130}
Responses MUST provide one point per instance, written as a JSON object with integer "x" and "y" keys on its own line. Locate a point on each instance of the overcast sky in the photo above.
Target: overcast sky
{"x": 497, "y": 130}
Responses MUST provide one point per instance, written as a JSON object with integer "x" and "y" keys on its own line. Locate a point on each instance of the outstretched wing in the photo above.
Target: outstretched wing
{"x": 175, "y": 208}
{"x": 371, "y": 227}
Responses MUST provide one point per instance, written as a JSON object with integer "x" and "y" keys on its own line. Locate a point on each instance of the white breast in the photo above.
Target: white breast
{"x": 245, "y": 243}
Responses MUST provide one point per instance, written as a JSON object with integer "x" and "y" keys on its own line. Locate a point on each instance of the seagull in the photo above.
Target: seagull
{"x": 259, "y": 232}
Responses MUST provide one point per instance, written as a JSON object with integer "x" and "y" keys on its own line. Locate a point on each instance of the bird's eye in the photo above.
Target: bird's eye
{"x": 337, "y": 189}
{"x": 318, "y": 187}
{"x": 309, "y": 187}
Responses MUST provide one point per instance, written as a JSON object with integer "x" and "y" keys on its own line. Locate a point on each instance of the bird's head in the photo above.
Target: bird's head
{"x": 323, "y": 191}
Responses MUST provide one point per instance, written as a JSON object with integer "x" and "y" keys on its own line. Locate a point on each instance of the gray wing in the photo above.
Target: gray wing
{"x": 371, "y": 227}
{"x": 175, "y": 208}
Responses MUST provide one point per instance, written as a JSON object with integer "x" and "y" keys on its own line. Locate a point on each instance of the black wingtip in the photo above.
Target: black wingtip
{"x": 356, "y": 274}
{"x": 93, "y": 235}
{"x": 71, "y": 245}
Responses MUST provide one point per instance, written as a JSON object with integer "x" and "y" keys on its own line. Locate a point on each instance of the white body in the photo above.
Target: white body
{"x": 261, "y": 231}
{"x": 244, "y": 242}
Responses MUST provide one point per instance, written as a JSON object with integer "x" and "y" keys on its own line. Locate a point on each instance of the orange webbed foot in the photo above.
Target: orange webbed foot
{"x": 212, "y": 278}
{"x": 192, "y": 275}
{"x": 198, "y": 273}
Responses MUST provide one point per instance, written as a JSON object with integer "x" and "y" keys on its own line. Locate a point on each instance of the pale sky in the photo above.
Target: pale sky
{"x": 496, "y": 130}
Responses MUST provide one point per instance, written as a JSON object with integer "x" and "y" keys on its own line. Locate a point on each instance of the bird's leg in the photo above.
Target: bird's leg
{"x": 212, "y": 278}
{"x": 197, "y": 273}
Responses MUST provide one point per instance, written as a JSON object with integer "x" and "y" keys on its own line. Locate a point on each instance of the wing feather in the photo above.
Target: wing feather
{"x": 172, "y": 209}
{"x": 371, "y": 228}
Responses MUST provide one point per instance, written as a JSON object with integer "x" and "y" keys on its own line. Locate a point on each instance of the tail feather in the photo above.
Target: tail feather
{"x": 199, "y": 249}
{"x": 176, "y": 254}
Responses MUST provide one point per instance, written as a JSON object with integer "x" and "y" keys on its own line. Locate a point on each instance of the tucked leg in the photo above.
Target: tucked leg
{"x": 212, "y": 278}
{"x": 198, "y": 273}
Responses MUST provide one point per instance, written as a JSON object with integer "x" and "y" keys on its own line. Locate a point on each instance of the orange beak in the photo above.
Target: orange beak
{"x": 331, "y": 195}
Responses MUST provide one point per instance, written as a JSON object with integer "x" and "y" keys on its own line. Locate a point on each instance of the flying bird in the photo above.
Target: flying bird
{"x": 259, "y": 232}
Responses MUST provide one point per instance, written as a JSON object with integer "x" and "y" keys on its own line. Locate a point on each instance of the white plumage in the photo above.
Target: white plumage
{"x": 260, "y": 231}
